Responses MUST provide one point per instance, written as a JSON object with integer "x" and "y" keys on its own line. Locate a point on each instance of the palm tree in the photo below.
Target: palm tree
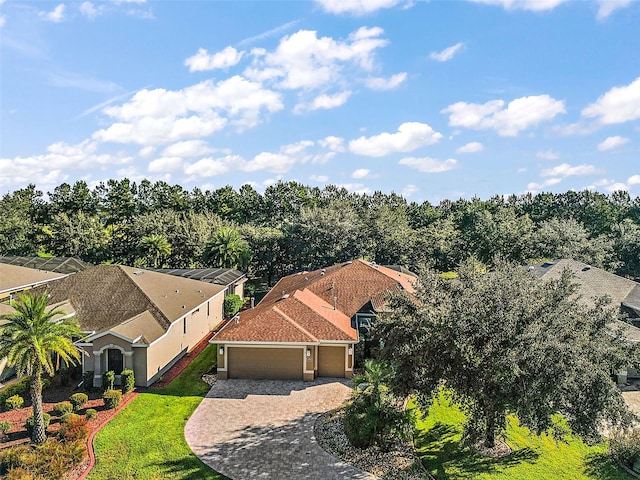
{"x": 30, "y": 339}
{"x": 227, "y": 249}
{"x": 155, "y": 247}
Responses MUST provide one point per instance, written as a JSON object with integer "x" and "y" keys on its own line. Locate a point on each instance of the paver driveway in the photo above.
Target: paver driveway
{"x": 248, "y": 429}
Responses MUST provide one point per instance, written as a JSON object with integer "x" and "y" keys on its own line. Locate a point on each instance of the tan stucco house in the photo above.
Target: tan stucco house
{"x": 307, "y": 326}
{"x": 595, "y": 282}
{"x": 137, "y": 319}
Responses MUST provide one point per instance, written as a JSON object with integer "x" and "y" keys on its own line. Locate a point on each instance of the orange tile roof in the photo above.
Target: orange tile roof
{"x": 307, "y": 300}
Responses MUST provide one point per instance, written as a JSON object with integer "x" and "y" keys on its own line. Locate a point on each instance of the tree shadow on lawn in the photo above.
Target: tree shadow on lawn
{"x": 440, "y": 446}
{"x": 603, "y": 467}
{"x": 190, "y": 468}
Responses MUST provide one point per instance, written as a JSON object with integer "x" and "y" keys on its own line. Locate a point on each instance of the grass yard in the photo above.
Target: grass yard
{"x": 146, "y": 440}
{"x": 533, "y": 457}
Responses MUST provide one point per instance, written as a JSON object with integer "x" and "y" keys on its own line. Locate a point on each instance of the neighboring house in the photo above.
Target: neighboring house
{"x": 137, "y": 319}
{"x": 13, "y": 281}
{"x": 308, "y": 324}
{"x": 230, "y": 278}
{"x": 50, "y": 264}
{"x": 595, "y": 282}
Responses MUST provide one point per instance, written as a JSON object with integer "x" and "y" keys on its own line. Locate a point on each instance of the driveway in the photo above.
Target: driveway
{"x": 248, "y": 429}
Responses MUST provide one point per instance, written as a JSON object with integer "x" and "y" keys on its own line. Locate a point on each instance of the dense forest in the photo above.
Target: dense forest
{"x": 292, "y": 227}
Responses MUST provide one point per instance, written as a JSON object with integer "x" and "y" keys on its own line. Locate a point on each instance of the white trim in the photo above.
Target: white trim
{"x": 19, "y": 288}
{"x": 111, "y": 332}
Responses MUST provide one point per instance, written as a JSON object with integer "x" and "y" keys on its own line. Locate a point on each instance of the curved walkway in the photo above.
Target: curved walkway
{"x": 248, "y": 429}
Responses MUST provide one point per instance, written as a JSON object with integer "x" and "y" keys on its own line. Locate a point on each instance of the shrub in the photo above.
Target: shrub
{"x": 5, "y": 427}
{"x": 624, "y": 446}
{"x": 128, "y": 380}
{"x": 78, "y": 400}
{"x": 112, "y": 399}
{"x": 62, "y": 408}
{"x": 108, "y": 378}
{"x": 91, "y": 413}
{"x": 14, "y": 402}
{"x": 20, "y": 388}
{"x": 50, "y": 460}
{"x": 232, "y": 305}
{"x": 73, "y": 429}
{"x": 87, "y": 380}
{"x": 29, "y": 423}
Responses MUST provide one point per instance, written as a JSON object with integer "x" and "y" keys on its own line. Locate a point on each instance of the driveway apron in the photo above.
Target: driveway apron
{"x": 248, "y": 429}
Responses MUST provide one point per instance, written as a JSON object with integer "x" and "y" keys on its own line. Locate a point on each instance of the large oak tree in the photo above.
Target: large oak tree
{"x": 506, "y": 342}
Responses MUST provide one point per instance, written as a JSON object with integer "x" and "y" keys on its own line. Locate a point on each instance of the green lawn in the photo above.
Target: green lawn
{"x": 533, "y": 457}
{"x": 146, "y": 440}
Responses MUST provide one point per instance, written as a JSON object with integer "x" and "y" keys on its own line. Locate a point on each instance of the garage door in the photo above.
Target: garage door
{"x": 331, "y": 361}
{"x": 266, "y": 363}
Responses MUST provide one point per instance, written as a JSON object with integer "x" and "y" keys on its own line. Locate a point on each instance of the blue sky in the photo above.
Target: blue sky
{"x": 433, "y": 100}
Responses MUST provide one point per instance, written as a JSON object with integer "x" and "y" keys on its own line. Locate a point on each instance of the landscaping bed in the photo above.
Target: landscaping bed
{"x": 399, "y": 463}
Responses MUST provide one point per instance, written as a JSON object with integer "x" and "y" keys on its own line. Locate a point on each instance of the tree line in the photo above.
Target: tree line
{"x": 292, "y": 226}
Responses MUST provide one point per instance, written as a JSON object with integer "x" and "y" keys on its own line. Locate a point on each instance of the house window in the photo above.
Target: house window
{"x": 184, "y": 325}
{"x": 115, "y": 360}
{"x": 364, "y": 325}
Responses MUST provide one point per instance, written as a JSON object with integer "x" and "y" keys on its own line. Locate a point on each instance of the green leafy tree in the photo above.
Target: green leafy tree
{"x": 155, "y": 248}
{"x": 78, "y": 235}
{"x": 227, "y": 249}
{"x": 507, "y": 342}
{"x": 30, "y": 339}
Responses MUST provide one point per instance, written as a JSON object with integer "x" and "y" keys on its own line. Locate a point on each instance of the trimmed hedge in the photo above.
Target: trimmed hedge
{"x": 112, "y": 399}
{"x": 232, "y": 305}
{"x": 108, "y": 379}
{"x": 128, "y": 381}
{"x": 14, "y": 402}
{"x": 21, "y": 389}
{"x": 29, "y": 423}
{"x": 62, "y": 408}
{"x": 78, "y": 400}
{"x": 91, "y": 413}
{"x": 5, "y": 427}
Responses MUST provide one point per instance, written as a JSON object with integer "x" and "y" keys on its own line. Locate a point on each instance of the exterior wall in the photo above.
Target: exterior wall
{"x": 98, "y": 357}
{"x": 168, "y": 349}
{"x": 5, "y": 371}
{"x": 239, "y": 289}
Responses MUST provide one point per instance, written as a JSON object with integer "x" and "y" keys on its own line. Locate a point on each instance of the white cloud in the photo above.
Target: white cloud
{"x": 429, "y": 165}
{"x": 618, "y": 105}
{"x": 188, "y": 148}
{"x": 535, "y": 187}
{"x": 409, "y": 190}
{"x": 360, "y": 173}
{"x": 211, "y": 167}
{"x": 607, "y": 7}
{"x": 471, "y": 147}
{"x": 410, "y": 136}
{"x": 56, "y": 15}
{"x": 358, "y": 188}
{"x": 634, "y": 180}
{"x": 335, "y": 144}
{"x": 548, "y": 155}
{"x": 202, "y": 61}
{"x": 268, "y": 34}
{"x": 380, "y": 83}
{"x": 165, "y": 164}
{"x": 608, "y": 185}
{"x": 519, "y": 114}
{"x": 324, "y": 102}
{"x": 284, "y": 160}
{"x": 89, "y": 10}
{"x": 319, "y": 178}
{"x": 446, "y": 54}
{"x": 356, "y": 7}
{"x": 612, "y": 142}
{"x": 49, "y": 168}
{"x": 304, "y": 61}
{"x": 161, "y": 116}
{"x": 566, "y": 170}
{"x": 533, "y": 5}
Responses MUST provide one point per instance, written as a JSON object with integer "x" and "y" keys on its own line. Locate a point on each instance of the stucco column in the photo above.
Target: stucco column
{"x": 127, "y": 360}
{"x": 97, "y": 369}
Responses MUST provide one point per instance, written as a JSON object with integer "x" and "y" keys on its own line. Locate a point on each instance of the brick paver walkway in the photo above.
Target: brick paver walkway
{"x": 263, "y": 429}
